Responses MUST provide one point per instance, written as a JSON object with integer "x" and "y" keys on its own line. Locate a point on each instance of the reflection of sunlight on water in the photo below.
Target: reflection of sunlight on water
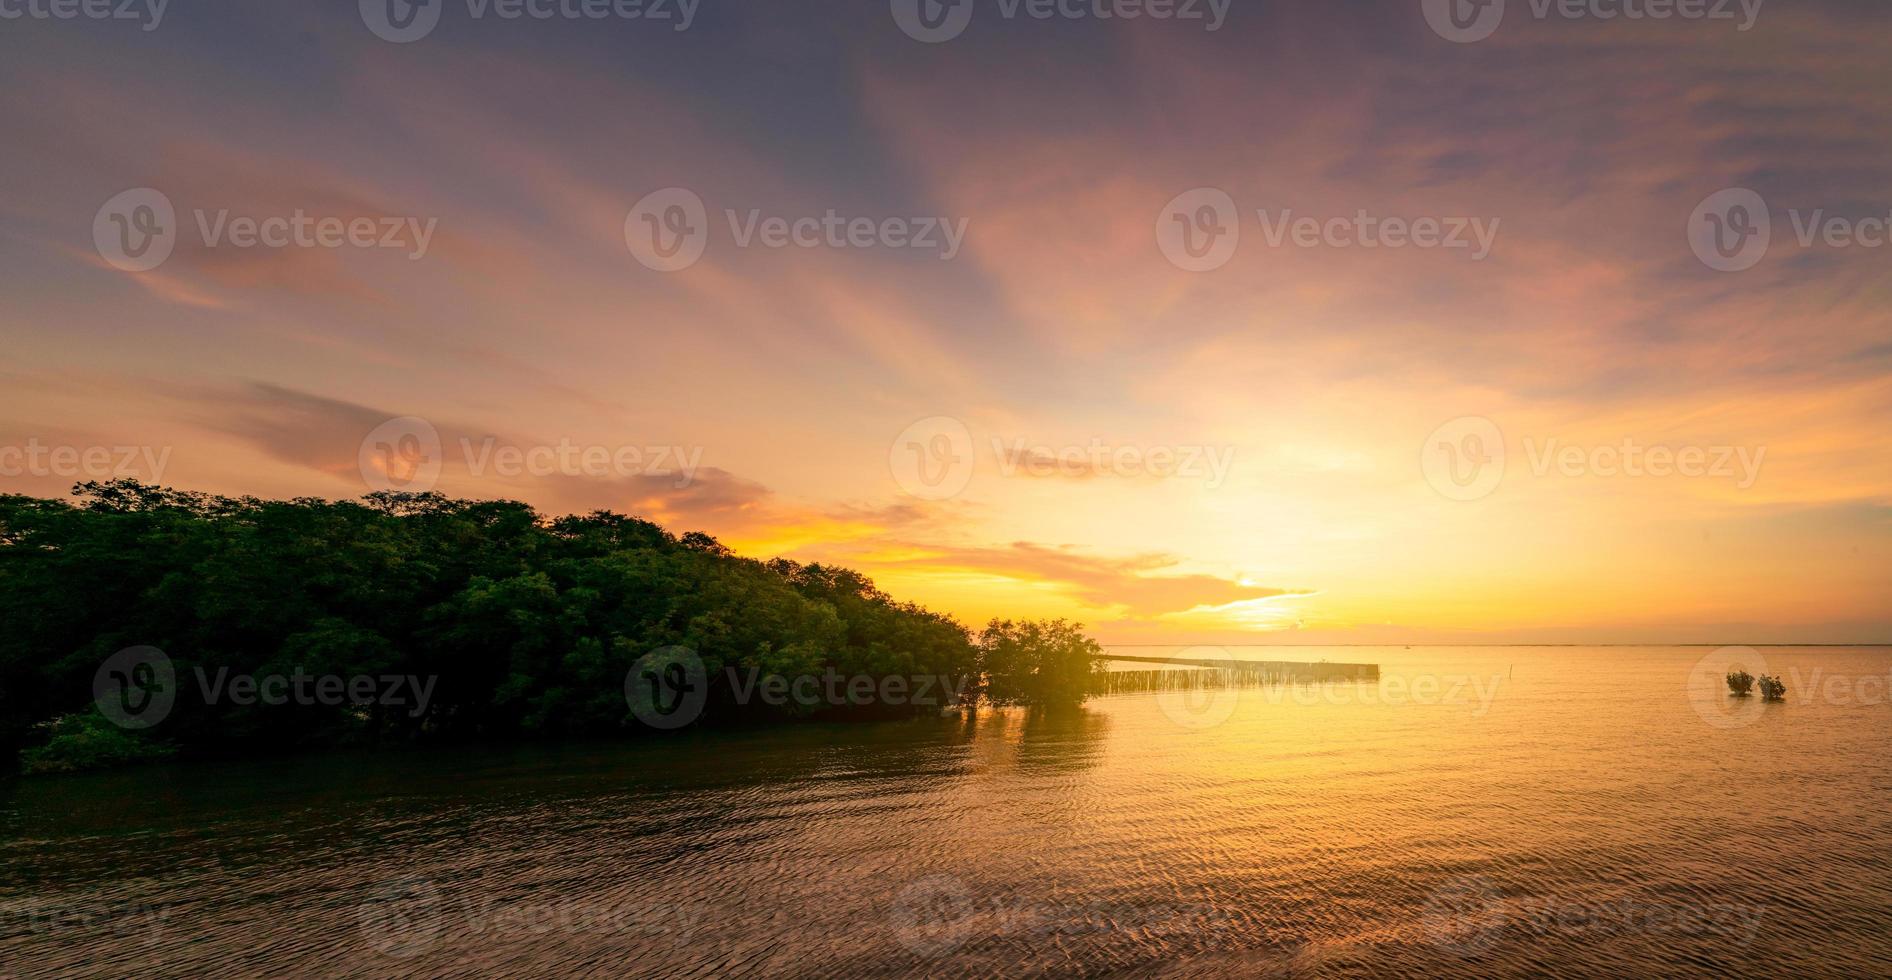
{"x": 1584, "y": 811}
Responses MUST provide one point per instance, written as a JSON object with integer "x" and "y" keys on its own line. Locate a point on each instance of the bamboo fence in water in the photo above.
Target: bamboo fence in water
{"x": 1215, "y": 675}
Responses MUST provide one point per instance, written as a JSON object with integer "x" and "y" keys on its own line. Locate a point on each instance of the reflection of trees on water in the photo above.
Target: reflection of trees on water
{"x": 1043, "y": 738}
{"x": 1063, "y": 737}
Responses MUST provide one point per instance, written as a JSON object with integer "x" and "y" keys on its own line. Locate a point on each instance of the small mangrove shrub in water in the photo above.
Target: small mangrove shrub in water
{"x": 1740, "y": 683}
{"x": 1772, "y": 689}
{"x": 89, "y": 740}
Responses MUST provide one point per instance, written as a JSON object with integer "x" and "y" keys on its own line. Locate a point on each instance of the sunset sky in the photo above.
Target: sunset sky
{"x": 1322, "y": 374}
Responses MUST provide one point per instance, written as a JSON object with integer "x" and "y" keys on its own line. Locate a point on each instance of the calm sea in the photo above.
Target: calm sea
{"x": 1487, "y": 811}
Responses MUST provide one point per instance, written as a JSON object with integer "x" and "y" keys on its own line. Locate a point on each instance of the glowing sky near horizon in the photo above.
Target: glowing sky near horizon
{"x": 1319, "y": 372}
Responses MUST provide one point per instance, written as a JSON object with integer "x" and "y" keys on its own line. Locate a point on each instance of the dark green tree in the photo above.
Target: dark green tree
{"x": 526, "y": 626}
{"x": 1044, "y": 662}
